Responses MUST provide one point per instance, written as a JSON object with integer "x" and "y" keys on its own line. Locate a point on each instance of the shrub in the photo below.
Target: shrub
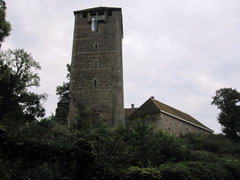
{"x": 143, "y": 173}
{"x": 195, "y": 170}
{"x": 233, "y": 169}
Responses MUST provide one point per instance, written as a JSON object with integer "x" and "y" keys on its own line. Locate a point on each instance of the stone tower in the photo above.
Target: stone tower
{"x": 96, "y": 82}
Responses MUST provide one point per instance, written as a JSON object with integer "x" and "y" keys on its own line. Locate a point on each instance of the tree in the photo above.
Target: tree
{"x": 5, "y": 26}
{"x": 17, "y": 75}
{"x": 226, "y": 99}
{"x": 63, "y": 91}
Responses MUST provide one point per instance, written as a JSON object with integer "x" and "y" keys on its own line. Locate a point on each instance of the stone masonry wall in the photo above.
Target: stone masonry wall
{"x": 96, "y": 82}
{"x": 174, "y": 126}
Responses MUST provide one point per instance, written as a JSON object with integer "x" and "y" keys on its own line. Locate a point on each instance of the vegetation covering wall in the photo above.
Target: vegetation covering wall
{"x": 48, "y": 150}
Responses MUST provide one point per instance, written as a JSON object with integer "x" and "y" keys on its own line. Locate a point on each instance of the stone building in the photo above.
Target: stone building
{"x": 96, "y": 81}
{"x": 166, "y": 118}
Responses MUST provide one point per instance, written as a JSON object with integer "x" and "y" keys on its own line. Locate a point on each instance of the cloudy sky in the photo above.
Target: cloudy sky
{"x": 179, "y": 51}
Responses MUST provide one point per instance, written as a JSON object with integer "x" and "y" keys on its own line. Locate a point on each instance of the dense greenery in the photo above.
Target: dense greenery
{"x": 30, "y": 158}
{"x": 17, "y": 74}
{"x": 132, "y": 152}
{"x": 227, "y": 99}
{"x": 5, "y": 26}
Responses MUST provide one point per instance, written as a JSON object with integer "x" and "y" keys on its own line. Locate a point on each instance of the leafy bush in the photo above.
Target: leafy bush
{"x": 123, "y": 152}
{"x": 217, "y": 144}
{"x": 233, "y": 169}
{"x": 143, "y": 173}
{"x": 31, "y": 160}
{"x": 192, "y": 170}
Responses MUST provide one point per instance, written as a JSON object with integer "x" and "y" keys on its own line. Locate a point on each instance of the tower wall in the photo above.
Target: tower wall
{"x": 96, "y": 82}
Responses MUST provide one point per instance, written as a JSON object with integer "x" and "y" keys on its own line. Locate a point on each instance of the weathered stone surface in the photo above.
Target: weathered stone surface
{"x": 96, "y": 82}
{"x": 62, "y": 111}
{"x": 175, "y": 126}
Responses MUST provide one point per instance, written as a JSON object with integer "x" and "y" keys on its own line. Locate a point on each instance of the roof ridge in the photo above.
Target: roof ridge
{"x": 153, "y": 100}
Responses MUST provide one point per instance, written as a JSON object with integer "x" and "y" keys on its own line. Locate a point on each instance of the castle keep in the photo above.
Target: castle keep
{"x": 96, "y": 82}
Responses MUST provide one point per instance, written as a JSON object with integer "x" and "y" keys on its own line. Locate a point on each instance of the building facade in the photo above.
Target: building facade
{"x": 96, "y": 81}
{"x": 166, "y": 118}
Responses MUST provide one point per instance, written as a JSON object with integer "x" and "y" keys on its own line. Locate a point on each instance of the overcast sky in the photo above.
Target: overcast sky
{"x": 179, "y": 51}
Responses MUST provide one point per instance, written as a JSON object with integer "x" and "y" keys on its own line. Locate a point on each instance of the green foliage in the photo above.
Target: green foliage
{"x": 226, "y": 100}
{"x": 124, "y": 152}
{"x": 233, "y": 169}
{"x": 210, "y": 148}
{"x": 17, "y": 74}
{"x": 5, "y": 26}
{"x": 63, "y": 91}
{"x": 143, "y": 173}
{"x": 211, "y": 143}
{"x": 149, "y": 148}
{"x": 192, "y": 170}
{"x": 201, "y": 170}
{"x": 135, "y": 145}
{"x": 135, "y": 151}
{"x": 30, "y": 158}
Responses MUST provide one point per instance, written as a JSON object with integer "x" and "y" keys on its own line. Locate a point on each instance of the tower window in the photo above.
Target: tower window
{"x": 95, "y": 63}
{"x": 109, "y": 13}
{"x": 95, "y": 82}
{"x": 96, "y": 46}
{"x": 101, "y": 13}
{"x": 94, "y": 24}
{"x": 84, "y": 15}
{"x": 93, "y": 14}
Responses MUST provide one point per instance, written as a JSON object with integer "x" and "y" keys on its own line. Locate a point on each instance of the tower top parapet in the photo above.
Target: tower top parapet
{"x": 100, "y": 14}
{"x": 98, "y": 9}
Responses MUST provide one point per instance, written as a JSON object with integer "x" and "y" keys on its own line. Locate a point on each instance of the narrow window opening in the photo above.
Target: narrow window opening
{"x": 84, "y": 15}
{"x": 169, "y": 128}
{"x": 109, "y": 13}
{"x": 94, "y": 24}
{"x": 95, "y": 63}
{"x": 96, "y": 46}
{"x": 95, "y": 82}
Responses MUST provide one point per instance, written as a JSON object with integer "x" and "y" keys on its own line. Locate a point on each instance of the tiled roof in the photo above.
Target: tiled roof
{"x": 129, "y": 111}
{"x": 152, "y": 106}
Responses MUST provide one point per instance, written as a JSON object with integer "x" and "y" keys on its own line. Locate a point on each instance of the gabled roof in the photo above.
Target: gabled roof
{"x": 152, "y": 106}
